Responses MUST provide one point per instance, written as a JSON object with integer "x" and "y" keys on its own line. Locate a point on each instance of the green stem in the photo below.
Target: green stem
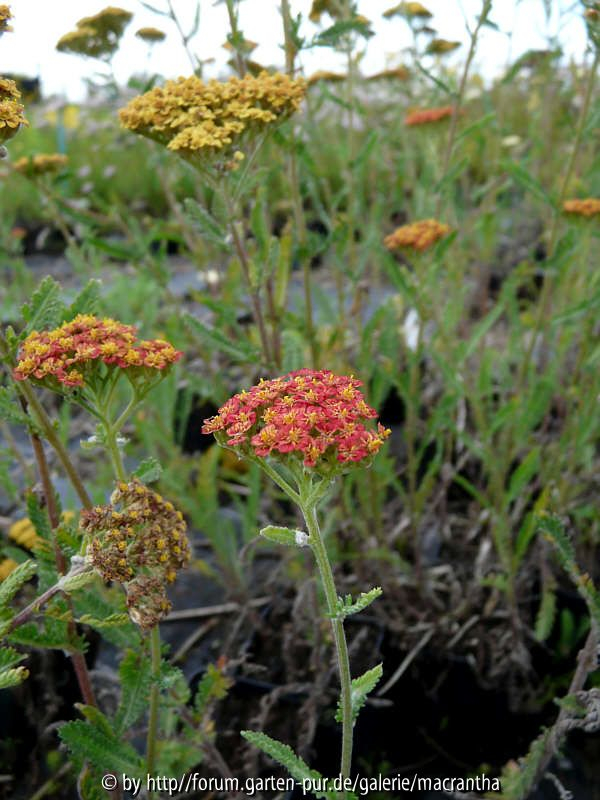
{"x": 318, "y": 547}
{"x": 154, "y": 698}
{"x": 487, "y": 5}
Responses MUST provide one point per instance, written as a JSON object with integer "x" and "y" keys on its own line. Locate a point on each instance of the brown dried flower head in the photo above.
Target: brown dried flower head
{"x": 151, "y": 35}
{"x": 201, "y": 121}
{"x": 5, "y": 16}
{"x": 9, "y": 90}
{"x": 41, "y": 164}
{"x": 586, "y": 207}
{"x": 417, "y": 236}
{"x": 139, "y": 540}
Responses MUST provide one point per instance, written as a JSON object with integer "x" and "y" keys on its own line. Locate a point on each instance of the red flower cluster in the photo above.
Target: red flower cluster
{"x": 68, "y": 352}
{"x": 427, "y": 116}
{"x": 315, "y": 415}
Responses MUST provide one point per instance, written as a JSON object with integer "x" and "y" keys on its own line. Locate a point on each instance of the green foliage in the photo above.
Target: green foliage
{"x": 45, "y": 308}
{"x": 94, "y": 740}
{"x": 149, "y": 470}
{"x": 284, "y": 536}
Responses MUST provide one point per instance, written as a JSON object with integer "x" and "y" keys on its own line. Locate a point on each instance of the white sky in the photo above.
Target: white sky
{"x": 38, "y": 25}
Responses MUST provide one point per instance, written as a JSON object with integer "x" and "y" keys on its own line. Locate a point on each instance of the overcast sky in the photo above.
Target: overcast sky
{"x": 38, "y": 25}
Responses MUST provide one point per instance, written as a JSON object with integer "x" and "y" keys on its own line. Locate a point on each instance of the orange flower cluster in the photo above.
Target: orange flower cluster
{"x": 141, "y": 546}
{"x": 419, "y": 235}
{"x": 587, "y": 207}
{"x": 312, "y": 416}
{"x": 69, "y": 354}
{"x": 427, "y": 116}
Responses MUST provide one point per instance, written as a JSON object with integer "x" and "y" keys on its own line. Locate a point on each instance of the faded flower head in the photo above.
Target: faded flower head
{"x": 72, "y": 354}
{"x": 335, "y": 9}
{"x": 96, "y": 36}
{"x": 427, "y": 116}
{"x": 586, "y": 207}
{"x": 151, "y": 35}
{"x": 310, "y": 417}
{"x": 202, "y": 120}
{"x": 5, "y": 16}
{"x": 41, "y": 164}
{"x": 409, "y": 10}
{"x": 140, "y": 541}
{"x": 418, "y": 236}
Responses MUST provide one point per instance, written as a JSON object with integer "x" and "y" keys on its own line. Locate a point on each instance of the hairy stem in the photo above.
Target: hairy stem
{"x": 154, "y": 699}
{"x": 318, "y": 547}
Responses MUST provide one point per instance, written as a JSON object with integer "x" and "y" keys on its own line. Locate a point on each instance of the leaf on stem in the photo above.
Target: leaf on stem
{"x": 361, "y": 687}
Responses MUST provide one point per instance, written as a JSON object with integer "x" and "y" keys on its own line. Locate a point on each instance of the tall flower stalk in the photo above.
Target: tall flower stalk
{"x": 304, "y": 430}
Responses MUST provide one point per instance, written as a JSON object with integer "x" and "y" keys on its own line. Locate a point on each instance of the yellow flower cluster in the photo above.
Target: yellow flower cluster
{"x": 7, "y": 565}
{"x": 440, "y": 47}
{"x": 41, "y": 164}
{"x": 5, "y": 15}
{"x": 11, "y": 111}
{"x": 588, "y": 207}
{"x": 417, "y": 236}
{"x": 140, "y": 541}
{"x": 151, "y": 35}
{"x": 97, "y": 36}
{"x": 408, "y": 10}
{"x": 197, "y": 119}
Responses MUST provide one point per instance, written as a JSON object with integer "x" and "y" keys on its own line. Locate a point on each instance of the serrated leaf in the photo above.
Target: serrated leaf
{"x": 346, "y": 607}
{"x": 239, "y": 351}
{"x": 149, "y": 470}
{"x": 10, "y": 409}
{"x": 45, "y": 307}
{"x": 294, "y": 350}
{"x": 521, "y": 176}
{"x": 38, "y": 517}
{"x": 11, "y": 585}
{"x": 135, "y": 672}
{"x": 361, "y": 687}
{"x": 112, "y": 621}
{"x": 9, "y": 657}
{"x": 208, "y": 226}
{"x": 13, "y": 677}
{"x": 86, "y": 302}
{"x": 332, "y": 36}
{"x": 213, "y": 686}
{"x": 284, "y": 755}
{"x": 105, "y": 752}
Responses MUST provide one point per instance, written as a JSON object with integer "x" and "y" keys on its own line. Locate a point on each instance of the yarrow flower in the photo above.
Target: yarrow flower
{"x": 408, "y": 10}
{"x": 151, "y": 35}
{"x": 442, "y": 46}
{"x": 399, "y": 73}
{"x": 419, "y": 235}
{"x": 311, "y": 417}
{"x": 323, "y": 75}
{"x": 140, "y": 541}
{"x": 11, "y": 111}
{"x": 587, "y": 207}
{"x": 97, "y": 36}
{"x": 40, "y": 164}
{"x": 200, "y": 120}
{"x": 427, "y": 116}
{"x": 5, "y": 16}
{"x": 73, "y": 352}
